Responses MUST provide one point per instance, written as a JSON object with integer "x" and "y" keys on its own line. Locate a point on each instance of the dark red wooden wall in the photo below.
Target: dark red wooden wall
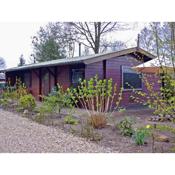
{"x": 111, "y": 68}
{"x": 114, "y": 70}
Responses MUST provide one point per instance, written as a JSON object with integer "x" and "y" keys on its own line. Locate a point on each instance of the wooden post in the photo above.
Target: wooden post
{"x": 40, "y": 83}
{"x": 104, "y": 69}
{"x": 55, "y": 77}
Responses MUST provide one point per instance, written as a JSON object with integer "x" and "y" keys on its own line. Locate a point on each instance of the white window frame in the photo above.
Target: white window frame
{"x": 130, "y": 89}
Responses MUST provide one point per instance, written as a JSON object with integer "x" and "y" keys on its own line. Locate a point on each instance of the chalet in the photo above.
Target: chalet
{"x": 40, "y": 78}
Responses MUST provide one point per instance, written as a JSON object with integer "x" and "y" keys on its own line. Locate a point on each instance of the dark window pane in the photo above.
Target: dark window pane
{"x": 132, "y": 80}
{"x": 77, "y": 75}
{"x": 27, "y": 81}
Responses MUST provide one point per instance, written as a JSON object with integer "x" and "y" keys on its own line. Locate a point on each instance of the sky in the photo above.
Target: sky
{"x": 15, "y": 39}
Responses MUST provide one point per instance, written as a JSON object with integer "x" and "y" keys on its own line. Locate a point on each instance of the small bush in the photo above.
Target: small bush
{"x": 140, "y": 135}
{"x": 11, "y": 94}
{"x": 40, "y": 118}
{"x": 27, "y": 102}
{"x": 98, "y": 120}
{"x": 125, "y": 127}
{"x": 56, "y": 101}
{"x": 88, "y": 132}
{"x": 70, "y": 120}
{"x": 4, "y": 102}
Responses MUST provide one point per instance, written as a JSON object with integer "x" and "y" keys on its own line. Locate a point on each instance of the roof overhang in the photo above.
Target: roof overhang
{"x": 85, "y": 60}
{"x": 118, "y": 54}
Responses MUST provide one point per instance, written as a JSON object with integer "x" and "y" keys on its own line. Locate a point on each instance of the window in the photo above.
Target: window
{"x": 130, "y": 78}
{"x": 77, "y": 75}
{"x": 27, "y": 80}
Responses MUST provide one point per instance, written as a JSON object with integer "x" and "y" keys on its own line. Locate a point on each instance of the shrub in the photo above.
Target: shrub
{"x": 40, "y": 118}
{"x": 125, "y": 127}
{"x": 20, "y": 90}
{"x": 55, "y": 102}
{"x": 98, "y": 120}
{"x": 27, "y": 102}
{"x": 161, "y": 101}
{"x": 88, "y": 132}
{"x": 4, "y": 102}
{"x": 70, "y": 120}
{"x": 140, "y": 135}
{"x": 51, "y": 104}
{"x": 97, "y": 96}
{"x": 11, "y": 94}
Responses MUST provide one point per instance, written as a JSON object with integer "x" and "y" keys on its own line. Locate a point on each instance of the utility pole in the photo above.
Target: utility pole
{"x": 138, "y": 41}
{"x": 79, "y": 49}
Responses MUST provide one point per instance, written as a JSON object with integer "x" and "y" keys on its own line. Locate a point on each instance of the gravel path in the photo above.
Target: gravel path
{"x": 19, "y": 135}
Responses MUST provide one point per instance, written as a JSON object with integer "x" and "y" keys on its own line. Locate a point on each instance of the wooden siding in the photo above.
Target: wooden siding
{"x": 114, "y": 70}
{"x": 94, "y": 69}
{"x": 63, "y": 76}
{"x": 110, "y": 68}
{"x": 35, "y": 84}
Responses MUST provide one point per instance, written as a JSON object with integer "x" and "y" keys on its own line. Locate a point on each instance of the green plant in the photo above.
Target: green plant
{"x": 4, "y": 102}
{"x": 40, "y": 117}
{"x": 125, "y": 127}
{"x": 172, "y": 149}
{"x": 56, "y": 101}
{"x": 140, "y": 135}
{"x": 12, "y": 94}
{"x": 70, "y": 120}
{"x": 161, "y": 101}
{"x": 98, "y": 120}
{"x": 27, "y": 102}
{"x": 121, "y": 110}
{"x": 164, "y": 128}
{"x": 21, "y": 89}
{"x": 88, "y": 132}
{"x": 100, "y": 98}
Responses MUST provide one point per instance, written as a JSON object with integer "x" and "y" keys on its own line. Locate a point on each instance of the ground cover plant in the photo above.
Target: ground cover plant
{"x": 140, "y": 134}
{"x": 126, "y": 127}
{"x": 70, "y": 120}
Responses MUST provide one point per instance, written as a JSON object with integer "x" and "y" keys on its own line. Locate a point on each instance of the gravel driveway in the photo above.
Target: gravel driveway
{"x": 19, "y": 135}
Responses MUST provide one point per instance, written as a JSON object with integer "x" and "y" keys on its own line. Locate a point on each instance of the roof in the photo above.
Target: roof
{"x": 83, "y": 59}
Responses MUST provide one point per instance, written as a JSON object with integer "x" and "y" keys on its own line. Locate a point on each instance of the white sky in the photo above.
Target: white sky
{"x": 15, "y": 39}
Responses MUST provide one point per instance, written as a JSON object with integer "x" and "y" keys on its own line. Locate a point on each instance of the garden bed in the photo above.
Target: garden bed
{"x": 128, "y": 130}
{"x": 110, "y": 136}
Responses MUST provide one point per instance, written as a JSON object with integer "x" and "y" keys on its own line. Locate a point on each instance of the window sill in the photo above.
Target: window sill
{"x": 125, "y": 90}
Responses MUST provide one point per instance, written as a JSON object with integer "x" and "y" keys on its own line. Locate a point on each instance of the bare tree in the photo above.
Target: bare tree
{"x": 66, "y": 35}
{"x": 2, "y": 63}
{"x": 91, "y": 33}
{"x": 107, "y": 46}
